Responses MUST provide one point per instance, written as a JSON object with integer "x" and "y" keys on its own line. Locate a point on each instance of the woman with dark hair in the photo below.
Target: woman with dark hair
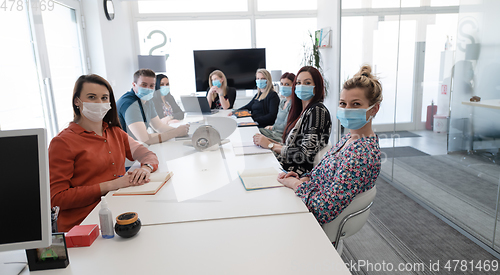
{"x": 308, "y": 125}
{"x": 87, "y": 159}
{"x": 166, "y": 107}
{"x": 219, "y": 95}
{"x": 275, "y": 132}
{"x": 352, "y": 166}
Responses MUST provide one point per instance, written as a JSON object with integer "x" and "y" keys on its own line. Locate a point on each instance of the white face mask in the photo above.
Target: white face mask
{"x": 95, "y": 111}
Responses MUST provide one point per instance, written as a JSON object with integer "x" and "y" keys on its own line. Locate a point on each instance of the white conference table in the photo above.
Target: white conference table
{"x": 280, "y": 244}
{"x": 205, "y": 186}
{"x": 222, "y": 229}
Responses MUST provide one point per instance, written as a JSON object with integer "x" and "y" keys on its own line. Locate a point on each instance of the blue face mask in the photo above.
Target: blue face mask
{"x": 164, "y": 90}
{"x": 304, "y": 92}
{"x": 145, "y": 93}
{"x": 261, "y": 83}
{"x": 285, "y": 90}
{"x": 353, "y": 119}
{"x": 216, "y": 83}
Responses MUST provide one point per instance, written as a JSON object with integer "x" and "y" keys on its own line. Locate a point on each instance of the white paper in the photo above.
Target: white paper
{"x": 198, "y": 174}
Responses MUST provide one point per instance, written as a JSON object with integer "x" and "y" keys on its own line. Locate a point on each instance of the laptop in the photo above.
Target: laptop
{"x": 197, "y": 104}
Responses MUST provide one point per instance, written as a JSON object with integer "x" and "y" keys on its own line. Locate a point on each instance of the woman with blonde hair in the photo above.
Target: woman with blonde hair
{"x": 264, "y": 105}
{"x": 219, "y": 95}
{"x": 352, "y": 166}
{"x": 275, "y": 131}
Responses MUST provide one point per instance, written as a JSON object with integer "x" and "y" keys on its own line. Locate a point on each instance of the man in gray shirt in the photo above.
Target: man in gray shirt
{"x": 136, "y": 111}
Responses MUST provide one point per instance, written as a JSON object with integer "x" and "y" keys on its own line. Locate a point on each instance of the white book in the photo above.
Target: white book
{"x": 254, "y": 179}
{"x": 157, "y": 180}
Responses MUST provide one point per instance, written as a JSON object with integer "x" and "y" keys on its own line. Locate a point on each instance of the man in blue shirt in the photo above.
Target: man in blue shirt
{"x": 136, "y": 111}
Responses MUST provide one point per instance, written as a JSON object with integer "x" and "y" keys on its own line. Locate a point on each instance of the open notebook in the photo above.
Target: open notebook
{"x": 157, "y": 180}
{"x": 254, "y": 179}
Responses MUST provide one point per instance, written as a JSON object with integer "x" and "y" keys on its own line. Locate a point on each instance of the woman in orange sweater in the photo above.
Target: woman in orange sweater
{"x": 87, "y": 159}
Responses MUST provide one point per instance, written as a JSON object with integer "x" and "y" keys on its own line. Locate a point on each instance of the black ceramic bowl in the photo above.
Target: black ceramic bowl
{"x": 127, "y": 224}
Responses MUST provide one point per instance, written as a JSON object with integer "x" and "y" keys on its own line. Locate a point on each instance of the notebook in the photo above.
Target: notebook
{"x": 157, "y": 180}
{"x": 247, "y": 124}
{"x": 196, "y": 104}
{"x": 242, "y": 113}
{"x": 254, "y": 179}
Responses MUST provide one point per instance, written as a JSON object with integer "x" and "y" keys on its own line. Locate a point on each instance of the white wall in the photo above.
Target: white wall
{"x": 110, "y": 44}
{"x": 329, "y": 16}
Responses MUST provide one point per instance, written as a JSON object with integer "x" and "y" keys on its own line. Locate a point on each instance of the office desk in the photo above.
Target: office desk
{"x": 226, "y": 230}
{"x": 280, "y": 244}
{"x": 205, "y": 186}
{"x": 488, "y": 103}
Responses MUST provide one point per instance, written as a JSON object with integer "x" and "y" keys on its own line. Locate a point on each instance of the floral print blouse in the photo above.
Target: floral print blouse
{"x": 340, "y": 176}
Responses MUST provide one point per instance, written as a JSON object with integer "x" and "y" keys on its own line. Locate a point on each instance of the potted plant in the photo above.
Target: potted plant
{"x": 312, "y": 56}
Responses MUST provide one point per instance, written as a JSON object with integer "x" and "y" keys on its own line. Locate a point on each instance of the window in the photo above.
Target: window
{"x": 193, "y": 35}
{"x": 65, "y": 58}
{"x": 358, "y": 4}
{"x": 39, "y": 65}
{"x": 284, "y": 40}
{"x": 191, "y": 6}
{"x": 286, "y": 5}
{"x": 20, "y": 99}
{"x": 282, "y": 27}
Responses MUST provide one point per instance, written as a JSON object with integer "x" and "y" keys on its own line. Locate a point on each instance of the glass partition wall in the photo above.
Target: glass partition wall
{"x": 439, "y": 122}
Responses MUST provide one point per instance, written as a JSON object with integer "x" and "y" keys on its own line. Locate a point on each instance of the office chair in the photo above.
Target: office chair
{"x": 351, "y": 220}
{"x": 321, "y": 153}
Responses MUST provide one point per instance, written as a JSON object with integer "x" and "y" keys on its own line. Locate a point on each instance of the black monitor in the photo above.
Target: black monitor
{"x": 239, "y": 66}
{"x": 24, "y": 190}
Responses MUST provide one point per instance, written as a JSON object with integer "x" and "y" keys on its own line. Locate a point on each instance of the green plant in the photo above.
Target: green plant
{"x": 312, "y": 57}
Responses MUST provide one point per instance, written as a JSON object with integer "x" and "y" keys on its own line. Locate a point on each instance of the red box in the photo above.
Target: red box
{"x": 82, "y": 235}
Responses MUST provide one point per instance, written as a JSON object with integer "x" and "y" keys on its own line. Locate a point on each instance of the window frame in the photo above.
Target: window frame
{"x": 252, "y": 14}
{"x": 42, "y": 63}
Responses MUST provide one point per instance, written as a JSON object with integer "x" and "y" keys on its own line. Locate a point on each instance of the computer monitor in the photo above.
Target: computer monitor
{"x": 24, "y": 190}
{"x": 239, "y": 66}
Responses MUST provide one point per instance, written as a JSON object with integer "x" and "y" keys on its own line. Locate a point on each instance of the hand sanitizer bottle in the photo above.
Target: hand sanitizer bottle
{"x": 106, "y": 220}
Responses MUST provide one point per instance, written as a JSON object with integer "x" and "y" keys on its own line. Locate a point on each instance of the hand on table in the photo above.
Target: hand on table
{"x": 129, "y": 179}
{"x": 261, "y": 140}
{"x": 139, "y": 176}
{"x": 270, "y": 127}
{"x": 290, "y": 182}
{"x": 284, "y": 175}
{"x": 182, "y": 130}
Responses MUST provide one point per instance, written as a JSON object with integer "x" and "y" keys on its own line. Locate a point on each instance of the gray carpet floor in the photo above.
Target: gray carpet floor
{"x": 462, "y": 188}
{"x": 397, "y": 134}
{"x": 401, "y": 233}
{"x": 480, "y": 189}
{"x": 404, "y": 151}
